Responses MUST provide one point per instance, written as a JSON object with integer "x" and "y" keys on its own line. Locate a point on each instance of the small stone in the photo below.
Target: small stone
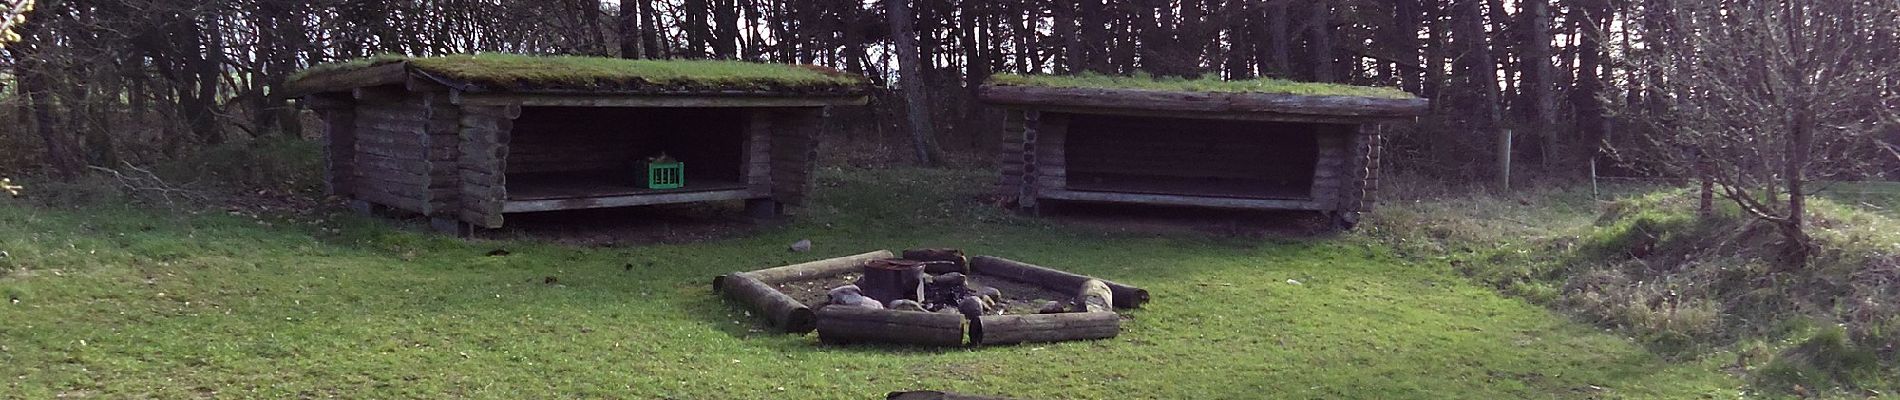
{"x": 802, "y": 245}
{"x": 906, "y": 305}
{"x": 970, "y": 306}
{"x": 995, "y": 295}
{"x": 1052, "y": 307}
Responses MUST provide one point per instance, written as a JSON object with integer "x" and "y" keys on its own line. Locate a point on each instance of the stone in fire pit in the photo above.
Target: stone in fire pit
{"x": 932, "y": 297}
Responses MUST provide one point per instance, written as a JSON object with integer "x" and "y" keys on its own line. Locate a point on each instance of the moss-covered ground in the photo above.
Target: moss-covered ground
{"x": 117, "y": 301}
{"x": 1142, "y": 81}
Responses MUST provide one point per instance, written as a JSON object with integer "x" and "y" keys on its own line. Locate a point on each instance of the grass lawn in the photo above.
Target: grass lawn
{"x": 121, "y": 302}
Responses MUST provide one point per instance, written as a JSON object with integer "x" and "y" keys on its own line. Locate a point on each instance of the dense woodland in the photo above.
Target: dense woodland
{"x": 98, "y": 82}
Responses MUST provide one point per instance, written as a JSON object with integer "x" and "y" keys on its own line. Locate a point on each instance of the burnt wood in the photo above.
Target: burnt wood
{"x": 1125, "y": 296}
{"x": 938, "y": 261}
{"x": 893, "y": 279}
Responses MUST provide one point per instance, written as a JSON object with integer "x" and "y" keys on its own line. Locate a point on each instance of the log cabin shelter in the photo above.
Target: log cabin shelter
{"x": 468, "y": 139}
{"x": 1258, "y": 144}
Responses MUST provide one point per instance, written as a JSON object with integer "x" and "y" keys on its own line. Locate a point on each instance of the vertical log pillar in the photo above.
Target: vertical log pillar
{"x": 483, "y": 162}
{"x": 1052, "y": 172}
{"x": 793, "y": 149}
{"x": 1009, "y": 184}
{"x": 756, "y": 159}
{"x": 1032, "y": 122}
{"x": 440, "y": 138}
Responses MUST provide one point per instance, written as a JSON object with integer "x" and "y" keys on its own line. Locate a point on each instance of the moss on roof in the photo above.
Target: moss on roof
{"x": 510, "y": 72}
{"x": 1143, "y": 81}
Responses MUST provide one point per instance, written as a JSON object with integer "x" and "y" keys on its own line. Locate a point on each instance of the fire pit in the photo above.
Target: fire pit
{"x": 932, "y": 297}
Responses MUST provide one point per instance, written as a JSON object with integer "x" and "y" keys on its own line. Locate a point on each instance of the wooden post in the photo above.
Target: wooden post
{"x": 1504, "y": 159}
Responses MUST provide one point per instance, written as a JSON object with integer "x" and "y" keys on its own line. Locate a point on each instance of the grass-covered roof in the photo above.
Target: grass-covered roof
{"x": 509, "y": 72}
{"x": 1142, "y": 81}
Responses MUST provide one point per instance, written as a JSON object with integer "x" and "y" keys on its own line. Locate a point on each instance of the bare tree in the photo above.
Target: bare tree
{"x": 1764, "y": 96}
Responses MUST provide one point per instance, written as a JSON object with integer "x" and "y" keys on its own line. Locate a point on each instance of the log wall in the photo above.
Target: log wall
{"x": 1330, "y": 170}
{"x": 485, "y": 132}
{"x": 392, "y": 153}
{"x": 1019, "y": 163}
{"x": 794, "y": 149}
{"x": 1363, "y": 172}
{"x": 757, "y": 157}
{"x": 1207, "y": 162}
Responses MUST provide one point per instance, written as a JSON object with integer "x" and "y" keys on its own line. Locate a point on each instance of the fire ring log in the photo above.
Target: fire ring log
{"x": 1125, "y": 296}
{"x": 840, "y": 325}
{"x": 938, "y": 261}
{"x": 754, "y": 289}
{"x": 893, "y": 279}
{"x": 820, "y": 268}
{"x": 1031, "y": 328}
{"x": 783, "y": 311}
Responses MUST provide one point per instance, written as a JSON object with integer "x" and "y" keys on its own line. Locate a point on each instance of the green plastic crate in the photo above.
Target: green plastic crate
{"x": 666, "y": 175}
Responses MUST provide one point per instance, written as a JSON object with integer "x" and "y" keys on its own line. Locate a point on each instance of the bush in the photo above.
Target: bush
{"x": 277, "y": 164}
{"x": 1826, "y": 360}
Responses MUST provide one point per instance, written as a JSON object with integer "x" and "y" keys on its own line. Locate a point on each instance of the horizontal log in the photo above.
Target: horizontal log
{"x": 1125, "y": 296}
{"x": 1342, "y": 106}
{"x": 1185, "y": 200}
{"x": 363, "y": 191}
{"x": 1034, "y": 328}
{"x": 784, "y": 312}
{"x": 516, "y": 206}
{"x": 843, "y": 324}
{"x": 817, "y": 269}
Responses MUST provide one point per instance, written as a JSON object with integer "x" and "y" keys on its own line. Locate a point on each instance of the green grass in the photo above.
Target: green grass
{"x": 524, "y": 72}
{"x": 120, "y": 302}
{"x": 1144, "y": 81}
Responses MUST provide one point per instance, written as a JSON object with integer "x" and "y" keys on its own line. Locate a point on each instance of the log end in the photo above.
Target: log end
{"x": 801, "y": 321}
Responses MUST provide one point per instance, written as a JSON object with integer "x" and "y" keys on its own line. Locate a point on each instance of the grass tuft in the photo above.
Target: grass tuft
{"x": 1144, "y": 81}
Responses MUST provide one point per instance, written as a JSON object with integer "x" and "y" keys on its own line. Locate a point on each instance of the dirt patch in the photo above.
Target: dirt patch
{"x": 672, "y": 223}
{"x": 1018, "y": 297}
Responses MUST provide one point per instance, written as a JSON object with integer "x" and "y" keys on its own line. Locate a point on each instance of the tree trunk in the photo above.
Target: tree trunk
{"x": 1320, "y": 41}
{"x": 1800, "y": 145}
{"x": 917, "y": 101}
{"x": 1537, "y": 73}
{"x": 1278, "y": 43}
{"x": 631, "y": 41}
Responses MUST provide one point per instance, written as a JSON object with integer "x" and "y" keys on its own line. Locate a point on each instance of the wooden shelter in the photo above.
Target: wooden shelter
{"x": 1246, "y": 145}
{"x": 466, "y": 140}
